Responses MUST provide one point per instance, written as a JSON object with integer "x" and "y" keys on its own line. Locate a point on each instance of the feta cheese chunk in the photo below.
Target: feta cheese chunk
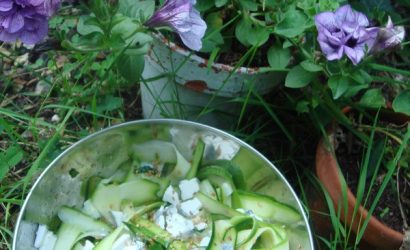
{"x": 49, "y": 241}
{"x": 205, "y": 241}
{"x": 40, "y": 235}
{"x": 118, "y": 217}
{"x": 160, "y": 221}
{"x": 201, "y": 226}
{"x": 227, "y": 246}
{"x": 159, "y": 217}
{"x": 89, "y": 209}
{"x": 171, "y": 196}
{"x": 177, "y": 225}
{"x": 191, "y": 207}
{"x": 125, "y": 242}
{"x": 188, "y": 188}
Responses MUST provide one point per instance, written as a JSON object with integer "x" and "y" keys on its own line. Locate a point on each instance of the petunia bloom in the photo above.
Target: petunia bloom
{"x": 388, "y": 37}
{"x": 344, "y": 31}
{"x": 184, "y": 19}
{"x": 26, "y": 20}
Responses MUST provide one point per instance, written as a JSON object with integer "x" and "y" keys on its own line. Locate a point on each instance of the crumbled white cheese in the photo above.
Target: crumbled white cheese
{"x": 89, "y": 209}
{"x": 118, "y": 217}
{"x": 159, "y": 217}
{"x": 40, "y": 235}
{"x": 227, "y": 246}
{"x": 220, "y": 148}
{"x": 201, "y": 226}
{"x": 227, "y": 189}
{"x": 171, "y": 196}
{"x": 177, "y": 225}
{"x": 188, "y": 188}
{"x": 125, "y": 242}
{"x": 49, "y": 241}
{"x": 205, "y": 241}
{"x": 88, "y": 245}
{"x": 191, "y": 207}
{"x": 160, "y": 221}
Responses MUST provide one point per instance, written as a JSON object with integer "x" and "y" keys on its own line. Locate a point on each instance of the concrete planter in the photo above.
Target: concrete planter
{"x": 179, "y": 84}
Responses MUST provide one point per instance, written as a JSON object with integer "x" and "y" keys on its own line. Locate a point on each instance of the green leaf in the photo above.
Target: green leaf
{"x": 87, "y": 25}
{"x": 302, "y": 106}
{"x": 338, "y": 85}
{"x": 213, "y": 36}
{"x": 373, "y": 98}
{"x": 109, "y": 103}
{"x": 212, "y": 41}
{"x": 249, "y": 33}
{"x": 354, "y": 90}
{"x": 250, "y": 5}
{"x": 402, "y": 102}
{"x": 293, "y": 24}
{"x": 278, "y": 57}
{"x": 130, "y": 66}
{"x": 10, "y": 158}
{"x": 140, "y": 9}
{"x": 204, "y": 5}
{"x": 220, "y": 3}
{"x": 361, "y": 77}
{"x": 126, "y": 29}
{"x": 298, "y": 77}
{"x": 310, "y": 66}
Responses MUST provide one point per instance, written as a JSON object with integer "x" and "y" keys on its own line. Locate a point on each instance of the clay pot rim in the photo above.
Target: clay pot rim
{"x": 218, "y": 66}
{"x": 329, "y": 174}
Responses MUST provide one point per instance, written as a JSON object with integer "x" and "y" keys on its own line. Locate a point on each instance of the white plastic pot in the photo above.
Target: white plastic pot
{"x": 179, "y": 84}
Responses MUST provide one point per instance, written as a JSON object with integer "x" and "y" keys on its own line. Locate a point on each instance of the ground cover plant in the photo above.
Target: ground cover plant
{"x": 85, "y": 75}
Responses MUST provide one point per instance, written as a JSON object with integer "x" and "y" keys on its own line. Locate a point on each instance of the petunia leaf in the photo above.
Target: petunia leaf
{"x": 141, "y": 10}
{"x": 338, "y": 85}
{"x": 278, "y": 57}
{"x": 249, "y": 33}
{"x": 293, "y": 24}
{"x": 298, "y": 77}
{"x": 373, "y": 98}
{"x": 402, "y": 102}
{"x": 310, "y": 66}
{"x": 130, "y": 66}
{"x": 87, "y": 25}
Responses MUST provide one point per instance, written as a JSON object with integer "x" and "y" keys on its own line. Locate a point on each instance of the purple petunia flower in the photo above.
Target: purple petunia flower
{"x": 344, "y": 32}
{"x": 388, "y": 37}
{"x": 26, "y": 20}
{"x": 182, "y": 17}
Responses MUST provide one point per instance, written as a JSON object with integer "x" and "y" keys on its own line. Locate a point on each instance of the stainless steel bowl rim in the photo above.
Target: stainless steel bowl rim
{"x": 161, "y": 121}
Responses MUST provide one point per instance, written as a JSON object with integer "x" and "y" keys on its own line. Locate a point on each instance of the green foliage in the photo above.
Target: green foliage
{"x": 250, "y": 33}
{"x": 278, "y": 57}
{"x": 9, "y": 159}
{"x": 373, "y": 98}
{"x": 293, "y": 23}
{"x": 338, "y": 85}
{"x": 402, "y": 102}
{"x": 130, "y": 66}
{"x": 298, "y": 77}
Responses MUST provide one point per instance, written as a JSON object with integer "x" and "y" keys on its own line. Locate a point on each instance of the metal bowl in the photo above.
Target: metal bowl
{"x": 102, "y": 152}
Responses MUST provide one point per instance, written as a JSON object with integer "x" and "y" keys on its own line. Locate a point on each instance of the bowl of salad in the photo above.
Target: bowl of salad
{"x": 161, "y": 184}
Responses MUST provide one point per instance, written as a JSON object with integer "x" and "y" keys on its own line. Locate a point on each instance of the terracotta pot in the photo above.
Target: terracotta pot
{"x": 376, "y": 234}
